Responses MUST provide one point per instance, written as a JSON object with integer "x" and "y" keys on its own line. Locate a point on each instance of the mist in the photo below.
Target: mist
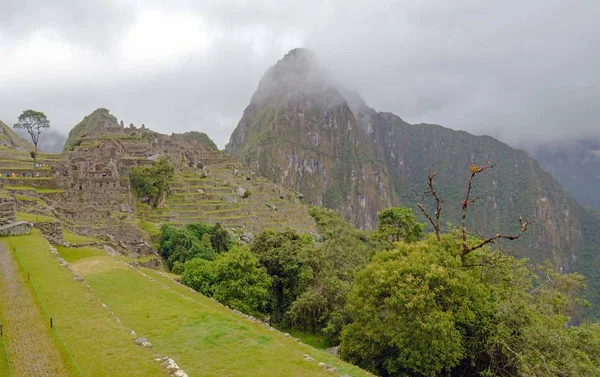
{"x": 523, "y": 72}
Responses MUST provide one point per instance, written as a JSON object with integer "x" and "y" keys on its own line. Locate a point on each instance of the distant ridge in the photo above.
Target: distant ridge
{"x": 9, "y": 138}
{"x": 307, "y": 132}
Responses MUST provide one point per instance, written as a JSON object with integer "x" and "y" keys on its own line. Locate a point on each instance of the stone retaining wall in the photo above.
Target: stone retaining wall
{"x": 7, "y": 210}
{"x": 52, "y": 231}
{"x": 15, "y": 229}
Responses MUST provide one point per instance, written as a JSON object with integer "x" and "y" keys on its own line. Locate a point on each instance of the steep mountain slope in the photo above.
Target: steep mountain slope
{"x": 311, "y": 134}
{"x": 300, "y": 131}
{"x": 9, "y": 138}
{"x": 576, "y": 165}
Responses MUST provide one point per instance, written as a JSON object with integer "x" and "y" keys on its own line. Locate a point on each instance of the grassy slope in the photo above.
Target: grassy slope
{"x": 76, "y": 239}
{"x": 33, "y": 218}
{"x": 202, "y": 336}
{"x": 8, "y": 135}
{"x": 4, "y": 367}
{"x": 99, "y": 344}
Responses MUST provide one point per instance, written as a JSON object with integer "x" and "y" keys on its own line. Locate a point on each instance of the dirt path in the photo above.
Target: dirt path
{"x": 32, "y": 351}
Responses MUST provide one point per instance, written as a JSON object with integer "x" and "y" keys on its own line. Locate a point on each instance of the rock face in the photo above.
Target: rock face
{"x": 305, "y": 131}
{"x": 301, "y": 132}
{"x": 576, "y": 165}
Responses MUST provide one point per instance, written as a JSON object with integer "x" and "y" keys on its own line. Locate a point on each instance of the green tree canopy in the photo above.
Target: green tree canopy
{"x": 151, "y": 183}
{"x": 181, "y": 245}
{"x": 234, "y": 278}
{"x": 419, "y": 310}
{"x": 290, "y": 260}
{"x": 399, "y": 224}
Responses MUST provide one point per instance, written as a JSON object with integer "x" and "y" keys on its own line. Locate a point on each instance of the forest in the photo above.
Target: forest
{"x": 402, "y": 300}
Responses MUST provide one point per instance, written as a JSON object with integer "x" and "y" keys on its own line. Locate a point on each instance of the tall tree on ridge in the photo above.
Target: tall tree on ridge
{"x": 34, "y": 122}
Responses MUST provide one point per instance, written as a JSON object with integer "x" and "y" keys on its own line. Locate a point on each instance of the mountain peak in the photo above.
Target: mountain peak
{"x": 295, "y": 76}
{"x": 301, "y": 57}
{"x": 100, "y": 119}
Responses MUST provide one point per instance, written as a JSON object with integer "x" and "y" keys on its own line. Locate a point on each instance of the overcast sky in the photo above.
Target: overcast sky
{"x": 522, "y": 71}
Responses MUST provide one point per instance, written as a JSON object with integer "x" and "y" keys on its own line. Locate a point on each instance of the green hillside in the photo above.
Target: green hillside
{"x": 100, "y": 118}
{"x": 200, "y": 335}
{"x": 200, "y": 138}
{"x": 10, "y": 139}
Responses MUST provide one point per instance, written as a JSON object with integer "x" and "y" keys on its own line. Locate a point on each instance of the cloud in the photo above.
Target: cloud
{"x": 160, "y": 37}
{"x": 525, "y": 72}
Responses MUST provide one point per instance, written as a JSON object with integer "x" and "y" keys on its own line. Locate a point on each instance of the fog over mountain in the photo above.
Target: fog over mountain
{"x": 525, "y": 72}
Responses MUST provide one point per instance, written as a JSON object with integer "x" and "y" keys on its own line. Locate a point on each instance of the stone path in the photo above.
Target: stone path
{"x": 32, "y": 351}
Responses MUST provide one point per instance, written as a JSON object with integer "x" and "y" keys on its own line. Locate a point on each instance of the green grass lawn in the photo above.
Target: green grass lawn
{"x": 76, "y": 239}
{"x": 32, "y": 199}
{"x": 33, "y": 218}
{"x": 100, "y": 345}
{"x": 150, "y": 227}
{"x": 39, "y": 190}
{"x": 15, "y": 187}
{"x": 202, "y": 336}
{"x": 313, "y": 340}
{"x": 42, "y": 190}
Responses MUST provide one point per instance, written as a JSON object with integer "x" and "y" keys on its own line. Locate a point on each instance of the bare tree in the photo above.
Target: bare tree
{"x": 469, "y": 200}
{"x": 438, "y": 204}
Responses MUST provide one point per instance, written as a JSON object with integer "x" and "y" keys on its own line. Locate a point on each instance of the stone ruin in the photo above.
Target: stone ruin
{"x": 9, "y": 226}
{"x": 89, "y": 187}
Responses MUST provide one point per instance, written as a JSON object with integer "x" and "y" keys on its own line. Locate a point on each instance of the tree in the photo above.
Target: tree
{"x": 343, "y": 251}
{"x": 181, "y": 245}
{"x": 450, "y": 306}
{"x": 398, "y": 224}
{"x": 290, "y": 259}
{"x": 34, "y": 122}
{"x": 465, "y": 205}
{"x": 234, "y": 278}
{"x": 151, "y": 183}
{"x": 220, "y": 238}
{"x": 418, "y": 311}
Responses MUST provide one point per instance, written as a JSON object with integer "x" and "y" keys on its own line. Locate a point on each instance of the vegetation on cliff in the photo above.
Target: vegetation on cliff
{"x": 100, "y": 118}
{"x": 151, "y": 183}
{"x": 200, "y": 138}
{"x": 305, "y": 131}
{"x": 9, "y": 138}
{"x": 576, "y": 165}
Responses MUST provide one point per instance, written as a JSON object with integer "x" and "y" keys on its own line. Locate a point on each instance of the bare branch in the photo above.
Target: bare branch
{"x": 438, "y": 205}
{"x": 524, "y": 224}
{"x": 465, "y": 203}
{"x": 480, "y": 196}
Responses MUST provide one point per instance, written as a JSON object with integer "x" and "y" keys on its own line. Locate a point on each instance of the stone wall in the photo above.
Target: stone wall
{"x": 41, "y": 182}
{"x": 7, "y": 210}
{"x": 15, "y": 229}
{"x": 52, "y": 231}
